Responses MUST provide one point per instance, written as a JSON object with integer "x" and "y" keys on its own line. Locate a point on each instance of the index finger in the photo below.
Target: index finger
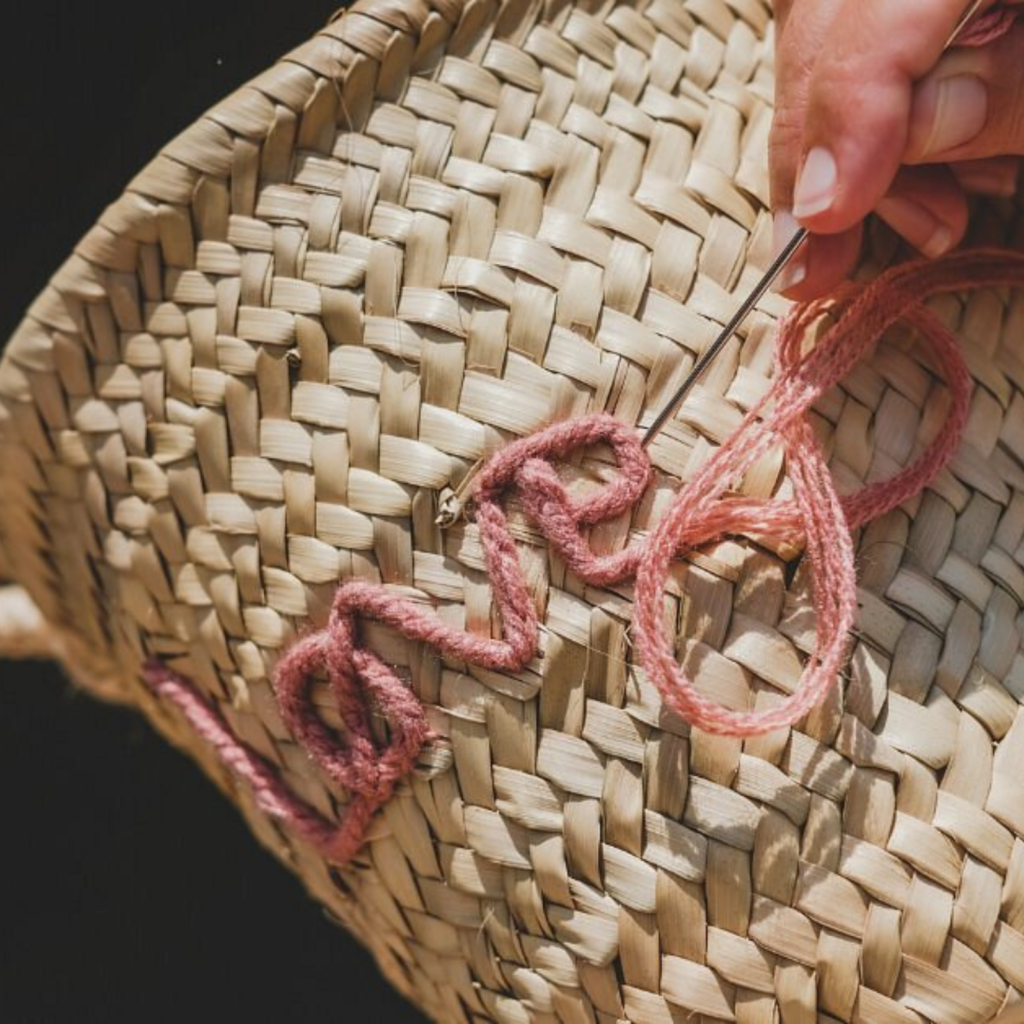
{"x": 858, "y": 104}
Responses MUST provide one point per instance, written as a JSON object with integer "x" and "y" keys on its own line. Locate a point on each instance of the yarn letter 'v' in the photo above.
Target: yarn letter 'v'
{"x": 368, "y": 767}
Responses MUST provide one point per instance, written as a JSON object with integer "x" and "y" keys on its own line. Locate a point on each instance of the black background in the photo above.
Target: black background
{"x": 129, "y": 888}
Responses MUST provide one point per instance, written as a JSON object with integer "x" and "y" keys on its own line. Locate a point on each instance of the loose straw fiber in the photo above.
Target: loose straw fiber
{"x": 277, "y": 361}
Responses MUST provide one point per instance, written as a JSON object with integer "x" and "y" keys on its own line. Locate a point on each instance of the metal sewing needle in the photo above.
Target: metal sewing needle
{"x": 776, "y": 268}
{"x": 727, "y": 332}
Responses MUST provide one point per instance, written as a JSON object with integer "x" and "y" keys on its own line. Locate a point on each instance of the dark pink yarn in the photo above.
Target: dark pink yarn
{"x": 356, "y": 675}
{"x": 703, "y": 510}
{"x": 272, "y": 796}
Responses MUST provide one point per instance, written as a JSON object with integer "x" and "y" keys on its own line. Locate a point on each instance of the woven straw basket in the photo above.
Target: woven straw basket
{"x": 276, "y": 362}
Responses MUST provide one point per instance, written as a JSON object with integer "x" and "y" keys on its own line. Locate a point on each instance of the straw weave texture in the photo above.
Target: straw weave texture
{"x": 275, "y": 362}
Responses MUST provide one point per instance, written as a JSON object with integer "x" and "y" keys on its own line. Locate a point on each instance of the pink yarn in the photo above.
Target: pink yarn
{"x": 272, "y": 796}
{"x": 703, "y": 510}
{"x": 991, "y": 25}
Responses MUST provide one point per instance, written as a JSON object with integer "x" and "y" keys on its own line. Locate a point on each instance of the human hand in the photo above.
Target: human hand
{"x": 872, "y": 116}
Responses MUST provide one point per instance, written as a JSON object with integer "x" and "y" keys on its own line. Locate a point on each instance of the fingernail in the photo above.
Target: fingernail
{"x": 917, "y": 225}
{"x": 792, "y": 274}
{"x": 947, "y": 113}
{"x": 784, "y": 226}
{"x": 816, "y": 184}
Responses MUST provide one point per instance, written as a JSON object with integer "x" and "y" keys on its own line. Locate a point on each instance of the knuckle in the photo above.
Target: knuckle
{"x": 786, "y": 132}
{"x": 783, "y": 156}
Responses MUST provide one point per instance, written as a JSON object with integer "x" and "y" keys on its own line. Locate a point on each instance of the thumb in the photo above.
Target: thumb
{"x": 971, "y": 105}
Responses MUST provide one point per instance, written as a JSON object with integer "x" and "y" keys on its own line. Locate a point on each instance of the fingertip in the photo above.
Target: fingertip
{"x": 824, "y": 262}
{"x": 847, "y": 170}
{"x": 996, "y": 176}
{"x": 930, "y": 236}
{"x": 971, "y": 105}
{"x": 928, "y": 208}
{"x": 948, "y": 111}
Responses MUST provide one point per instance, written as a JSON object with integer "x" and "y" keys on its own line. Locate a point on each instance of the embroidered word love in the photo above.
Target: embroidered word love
{"x": 814, "y": 516}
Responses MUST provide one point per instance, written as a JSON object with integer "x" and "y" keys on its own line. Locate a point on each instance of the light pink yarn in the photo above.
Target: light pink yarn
{"x": 991, "y": 25}
{"x": 703, "y": 510}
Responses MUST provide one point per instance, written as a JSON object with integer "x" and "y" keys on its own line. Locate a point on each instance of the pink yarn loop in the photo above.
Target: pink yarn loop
{"x": 369, "y": 762}
{"x": 816, "y": 513}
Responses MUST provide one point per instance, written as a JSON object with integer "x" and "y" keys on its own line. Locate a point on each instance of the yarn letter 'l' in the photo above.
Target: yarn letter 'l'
{"x": 368, "y": 767}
